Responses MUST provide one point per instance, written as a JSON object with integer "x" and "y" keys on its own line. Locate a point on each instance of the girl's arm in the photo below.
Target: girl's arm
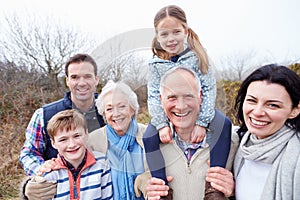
{"x": 158, "y": 117}
{"x": 207, "y": 110}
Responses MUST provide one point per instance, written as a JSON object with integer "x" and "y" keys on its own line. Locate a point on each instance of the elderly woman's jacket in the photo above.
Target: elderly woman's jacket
{"x": 98, "y": 142}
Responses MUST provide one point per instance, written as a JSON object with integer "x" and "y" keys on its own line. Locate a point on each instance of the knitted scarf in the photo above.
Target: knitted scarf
{"x": 282, "y": 150}
{"x": 126, "y": 160}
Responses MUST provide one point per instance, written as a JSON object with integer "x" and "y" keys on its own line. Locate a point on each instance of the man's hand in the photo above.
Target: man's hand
{"x": 38, "y": 188}
{"x": 157, "y": 188}
{"x": 221, "y": 179}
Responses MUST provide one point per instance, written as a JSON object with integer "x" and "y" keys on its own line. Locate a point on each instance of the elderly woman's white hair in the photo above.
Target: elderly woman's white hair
{"x": 112, "y": 86}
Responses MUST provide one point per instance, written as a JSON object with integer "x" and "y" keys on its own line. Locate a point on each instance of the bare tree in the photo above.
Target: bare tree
{"x": 130, "y": 68}
{"x": 117, "y": 56}
{"x": 115, "y": 70}
{"x": 42, "y": 43}
{"x": 136, "y": 71}
{"x": 237, "y": 66}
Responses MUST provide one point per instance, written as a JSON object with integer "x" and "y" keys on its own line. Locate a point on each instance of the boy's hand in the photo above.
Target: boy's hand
{"x": 198, "y": 134}
{"x": 165, "y": 134}
{"x": 47, "y": 166}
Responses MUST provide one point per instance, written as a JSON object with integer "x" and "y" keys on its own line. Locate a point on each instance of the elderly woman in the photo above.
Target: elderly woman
{"x": 267, "y": 163}
{"x": 121, "y": 138}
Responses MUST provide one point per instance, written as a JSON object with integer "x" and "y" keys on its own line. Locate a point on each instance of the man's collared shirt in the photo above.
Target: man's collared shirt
{"x": 188, "y": 149}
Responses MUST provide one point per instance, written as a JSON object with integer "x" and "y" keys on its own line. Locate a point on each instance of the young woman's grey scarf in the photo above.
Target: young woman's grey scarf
{"x": 282, "y": 150}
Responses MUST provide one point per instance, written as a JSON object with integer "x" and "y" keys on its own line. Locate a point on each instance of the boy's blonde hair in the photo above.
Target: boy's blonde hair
{"x": 65, "y": 120}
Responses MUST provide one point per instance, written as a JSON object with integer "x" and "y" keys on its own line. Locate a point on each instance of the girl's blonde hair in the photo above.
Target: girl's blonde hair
{"x": 192, "y": 38}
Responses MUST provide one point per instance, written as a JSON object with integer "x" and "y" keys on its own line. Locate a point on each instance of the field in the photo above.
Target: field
{"x": 12, "y": 136}
{"x": 18, "y": 101}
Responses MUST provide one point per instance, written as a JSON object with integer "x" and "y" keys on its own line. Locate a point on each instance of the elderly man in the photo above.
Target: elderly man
{"x": 186, "y": 163}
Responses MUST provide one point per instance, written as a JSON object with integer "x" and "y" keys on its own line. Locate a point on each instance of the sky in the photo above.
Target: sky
{"x": 269, "y": 28}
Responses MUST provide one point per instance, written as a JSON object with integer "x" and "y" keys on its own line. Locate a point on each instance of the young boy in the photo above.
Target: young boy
{"x": 79, "y": 173}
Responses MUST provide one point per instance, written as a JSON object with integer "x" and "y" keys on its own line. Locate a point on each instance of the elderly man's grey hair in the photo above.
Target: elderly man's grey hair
{"x": 112, "y": 86}
{"x": 175, "y": 69}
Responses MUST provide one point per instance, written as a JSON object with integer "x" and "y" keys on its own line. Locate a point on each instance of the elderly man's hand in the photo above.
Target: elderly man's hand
{"x": 38, "y": 188}
{"x": 221, "y": 179}
{"x": 157, "y": 188}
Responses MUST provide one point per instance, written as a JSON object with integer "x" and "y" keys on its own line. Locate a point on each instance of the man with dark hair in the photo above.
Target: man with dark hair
{"x": 82, "y": 80}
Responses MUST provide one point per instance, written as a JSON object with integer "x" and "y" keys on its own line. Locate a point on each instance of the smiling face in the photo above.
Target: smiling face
{"x": 117, "y": 111}
{"x": 266, "y": 108}
{"x": 181, "y": 101}
{"x": 171, "y": 35}
{"x": 71, "y": 144}
{"x": 82, "y": 82}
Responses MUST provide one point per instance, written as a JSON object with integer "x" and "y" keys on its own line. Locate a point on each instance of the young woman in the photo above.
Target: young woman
{"x": 267, "y": 163}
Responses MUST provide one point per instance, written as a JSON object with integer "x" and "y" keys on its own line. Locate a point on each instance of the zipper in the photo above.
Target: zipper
{"x": 188, "y": 162}
{"x": 188, "y": 167}
{"x": 75, "y": 190}
{"x": 189, "y": 170}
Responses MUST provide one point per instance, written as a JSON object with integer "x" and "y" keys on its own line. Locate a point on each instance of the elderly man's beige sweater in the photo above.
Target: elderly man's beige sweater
{"x": 189, "y": 176}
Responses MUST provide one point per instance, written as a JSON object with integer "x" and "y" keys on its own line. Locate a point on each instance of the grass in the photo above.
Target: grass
{"x": 12, "y": 136}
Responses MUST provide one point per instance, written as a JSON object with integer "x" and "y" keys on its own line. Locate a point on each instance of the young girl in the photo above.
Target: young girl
{"x": 175, "y": 44}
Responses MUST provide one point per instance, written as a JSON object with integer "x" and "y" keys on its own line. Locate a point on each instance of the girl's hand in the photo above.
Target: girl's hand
{"x": 198, "y": 134}
{"x": 165, "y": 134}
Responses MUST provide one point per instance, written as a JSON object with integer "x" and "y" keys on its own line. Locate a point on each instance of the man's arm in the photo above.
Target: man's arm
{"x": 37, "y": 188}
{"x": 31, "y": 155}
